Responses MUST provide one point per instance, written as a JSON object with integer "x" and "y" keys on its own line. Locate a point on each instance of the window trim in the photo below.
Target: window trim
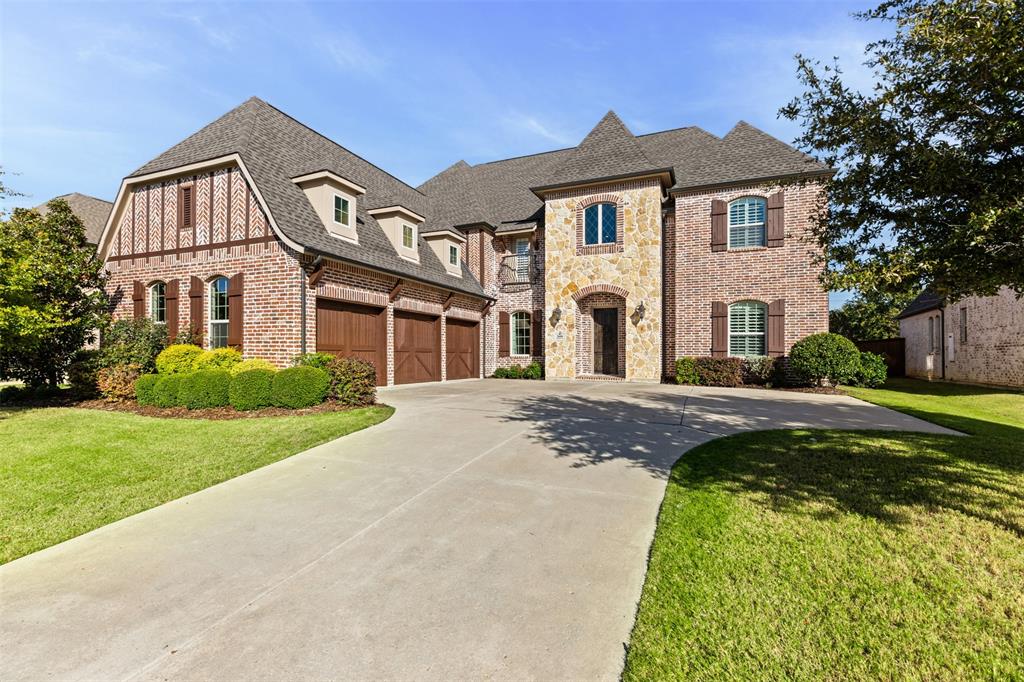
{"x": 762, "y": 334}
{"x": 412, "y": 236}
{"x": 512, "y": 334}
{"x": 600, "y": 223}
{"x": 334, "y": 210}
{"x": 150, "y": 290}
{"x": 210, "y": 310}
{"x": 763, "y": 224}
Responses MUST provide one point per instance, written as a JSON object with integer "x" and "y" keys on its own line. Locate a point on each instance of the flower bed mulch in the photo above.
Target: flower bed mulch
{"x": 217, "y": 413}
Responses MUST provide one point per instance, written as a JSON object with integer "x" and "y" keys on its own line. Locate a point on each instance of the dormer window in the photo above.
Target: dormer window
{"x": 408, "y": 236}
{"x": 341, "y": 210}
{"x": 453, "y": 254}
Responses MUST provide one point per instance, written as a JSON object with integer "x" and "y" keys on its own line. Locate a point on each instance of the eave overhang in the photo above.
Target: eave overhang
{"x": 667, "y": 177}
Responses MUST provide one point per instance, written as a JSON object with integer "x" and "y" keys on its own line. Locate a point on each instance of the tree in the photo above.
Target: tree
{"x": 51, "y": 293}
{"x": 867, "y": 317}
{"x": 929, "y": 183}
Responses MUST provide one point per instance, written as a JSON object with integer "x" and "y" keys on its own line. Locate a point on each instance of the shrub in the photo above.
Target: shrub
{"x": 515, "y": 372}
{"x": 205, "y": 388}
{"x": 353, "y": 381}
{"x": 165, "y": 392}
{"x": 82, "y": 373}
{"x": 251, "y": 389}
{"x": 534, "y": 370}
{"x": 117, "y": 383}
{"x": 133, "y": 342}
{"x": 187, "y": 337}
{"x": 872, "y": 371}
{"x": 719, "y": 371}
{"x": 318, "y": 360}
{"x": 13, "y": 394}
{"x": 823, "y": 358}
{"x": 686, "y": 371}
{"x": 145, "y": 389}
{"x": 759, "y": 370}
{"x": 219, "y": 358}
{"x": 300, "y": 387}
{"x": 178, "y": 359}
{"x": 252, "y": 363}
{"x": 500, "y": 373}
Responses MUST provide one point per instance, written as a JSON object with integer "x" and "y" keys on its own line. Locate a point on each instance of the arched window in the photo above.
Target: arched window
{"x": 158, "y": 302}
{"x": 747, "y": 324}
{"x": 599, "y": 224}
{"x": 520, "y": 331}
{"x": 746, "y": 222}
{"x": 219, "y": 313}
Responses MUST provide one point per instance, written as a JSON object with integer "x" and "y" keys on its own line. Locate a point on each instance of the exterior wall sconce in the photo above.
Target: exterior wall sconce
{"x": 556, "y": 315}
{"x": 640, "y": 310}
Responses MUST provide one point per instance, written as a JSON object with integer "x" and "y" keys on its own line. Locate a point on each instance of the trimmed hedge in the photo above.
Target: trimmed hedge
{"x": 165, "y": 391}
{"x": 686, "y": 371}
{"x": 117, "y": 383}
{"x": 759, "y": 370}
{"x": 534, "y": 370}
{"x": 252, "y": 389}
{"x": 872, "y": 372}
{"x": 178, "y": 359}
{"x": 145, "y": 389}
{"x": 205, "y": 388}
{"x": 298, "y": 387}
{"x": 353, "y": 381}
{"x": 219, "y": 358}
{"x": 318, "y": 360}
{"x": 720, "y": 371}
{"x": 253, "y": 363}
{"x": 821, "y": 358}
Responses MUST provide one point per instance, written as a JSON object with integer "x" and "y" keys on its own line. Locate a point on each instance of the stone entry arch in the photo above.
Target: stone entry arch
{"x": 599, "y": 306}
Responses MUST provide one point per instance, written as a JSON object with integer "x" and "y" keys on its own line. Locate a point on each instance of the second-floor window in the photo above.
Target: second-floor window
{"x": 158, "y": 302}
{"x": 219, "y": 313}
{"x": 746, "y": 222}
{"x": 599, "y": 224}
{"x": 453, "y": 254}
{"x": 408, "y": 236}
{"x": 341, "y": 208}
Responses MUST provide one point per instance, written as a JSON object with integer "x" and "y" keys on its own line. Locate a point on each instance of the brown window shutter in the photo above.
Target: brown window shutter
{"x": 719, "y": 329}
{"x": 777, "y": 328}
{"x": 719, "y": 226}
{"x": 776, "y": 219}
{"x": 503, "y": 337}
{"x": 171, "y": 297}
{"x": 138, "y": 299}
{"x": 537, "y": 338}
{"x": 235, "y": 308}
{"x": 195, "y": 316}
{"x": 186, "y": 206}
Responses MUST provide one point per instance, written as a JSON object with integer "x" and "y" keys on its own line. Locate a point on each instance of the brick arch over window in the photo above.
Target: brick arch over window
{"x": 582, "y": 248}
{"x": 599, "y": 289}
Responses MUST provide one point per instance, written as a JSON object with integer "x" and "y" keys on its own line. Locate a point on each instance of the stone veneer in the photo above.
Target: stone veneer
{"x": 636, "y": 267}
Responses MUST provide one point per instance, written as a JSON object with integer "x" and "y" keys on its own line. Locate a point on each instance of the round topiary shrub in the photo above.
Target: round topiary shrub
{"x": 297, "y": 387}
{"x": 872, "y": 372}
{"x": 252, "y": 389}
{"x": 165, "y": 392}
{"x": 686, "y": 371}
{"x": 253, "y": 363}
{"x": 219, "y": 358}
{"x": 178, "y": 359}
{"x": 205, "y": 388}
{"x": 145, "y": 389}
{"x": 353, "y": 381}
{"x": 821, "y": 358}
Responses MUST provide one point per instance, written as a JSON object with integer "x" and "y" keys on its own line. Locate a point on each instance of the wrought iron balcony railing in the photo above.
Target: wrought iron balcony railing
{"x": 520, "y": 268}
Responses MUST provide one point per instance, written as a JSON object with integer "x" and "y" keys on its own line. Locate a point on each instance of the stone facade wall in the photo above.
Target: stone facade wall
{"x": 635, "y": 267}
{"x": 700, "y": 276}
{"x": 992, "y": 353}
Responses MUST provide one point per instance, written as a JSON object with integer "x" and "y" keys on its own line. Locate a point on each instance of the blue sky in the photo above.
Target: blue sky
{"x": 91, "y": 91}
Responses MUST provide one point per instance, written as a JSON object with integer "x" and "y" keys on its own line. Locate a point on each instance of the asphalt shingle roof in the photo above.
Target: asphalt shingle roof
{"x": 91, "y": 211}
{"x": 924, "y": 302}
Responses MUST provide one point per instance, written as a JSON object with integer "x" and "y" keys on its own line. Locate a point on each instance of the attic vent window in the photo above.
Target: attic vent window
{"x": 186, "y": 206}
{"x": 341, "y": 208}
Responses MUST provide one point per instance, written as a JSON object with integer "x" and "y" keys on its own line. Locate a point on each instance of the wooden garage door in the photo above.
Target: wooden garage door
{"x": 417, "y": 348}
{"x": 462, "y": 345}
{"x": 352, "y": 330}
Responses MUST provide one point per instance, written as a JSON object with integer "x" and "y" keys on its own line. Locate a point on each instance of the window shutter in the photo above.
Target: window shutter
{"x": 777, "y": 328}
{"x": 537, "y": 338}
{"x": 235, "y": 310}
{"x": 171, "y": 297}
{"x": 186, "y": 206}
{"x": 138, "y": 299}
{"x": 503, "y": 338}
{"x": 719, "y": 329}
{"x": 195, "y": 318}
{"x": 719, "y": 226}
{"x": 776, "y": 228}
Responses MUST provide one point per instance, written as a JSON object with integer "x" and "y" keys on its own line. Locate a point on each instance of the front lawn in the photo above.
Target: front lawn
{"x": 65, "y": 471}
{"x": 844, "y": 555}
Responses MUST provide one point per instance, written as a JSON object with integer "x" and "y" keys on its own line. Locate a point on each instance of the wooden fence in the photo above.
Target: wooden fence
{"x": 893, "y": 350}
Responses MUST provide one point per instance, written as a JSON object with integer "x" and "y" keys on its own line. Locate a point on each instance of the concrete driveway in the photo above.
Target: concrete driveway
{"x": 490, "y": 529}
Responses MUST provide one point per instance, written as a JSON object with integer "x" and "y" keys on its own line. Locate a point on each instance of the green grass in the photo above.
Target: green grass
{"x": 844, "y": 555}
{"x": 65, "y": 471}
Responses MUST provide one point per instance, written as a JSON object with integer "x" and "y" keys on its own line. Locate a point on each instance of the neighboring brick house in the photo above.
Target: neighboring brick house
{"x": 607, "y": 260}
{"x": 977, "y": 340}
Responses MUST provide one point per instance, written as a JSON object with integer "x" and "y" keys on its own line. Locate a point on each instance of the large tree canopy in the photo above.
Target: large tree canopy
{"x": 867, "y": 317}
{"x": 929, "y": 184}
{"x": 51, "y": 295}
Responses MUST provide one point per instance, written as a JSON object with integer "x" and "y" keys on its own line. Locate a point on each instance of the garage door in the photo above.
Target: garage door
{"x": 352, "y": 330}
{"x": 462, "y": 345}
{"x": 417, "y": 348}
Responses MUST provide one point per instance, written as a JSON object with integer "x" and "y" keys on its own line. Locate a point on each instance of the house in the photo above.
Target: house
{"x": 976, "y": 340}
{"x": 91, "y": 211}
{"x": 607, "y": 260}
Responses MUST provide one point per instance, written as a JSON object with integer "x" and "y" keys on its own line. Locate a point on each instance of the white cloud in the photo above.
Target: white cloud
{"x": 349, "y": 54}
{"x": 118, "y": 48}
{"x": 525, "y": 123}
{"x": 216, "y": 31}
